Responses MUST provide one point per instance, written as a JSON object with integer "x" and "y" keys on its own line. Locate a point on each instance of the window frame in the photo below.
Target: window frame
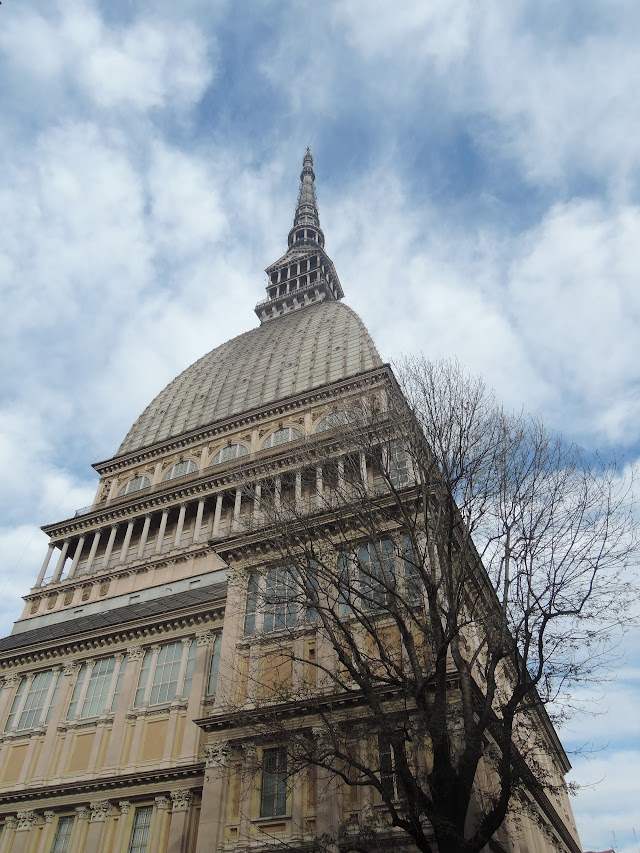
{"x": 191, "y": 468}
{"x": 274, "y": 782}
{"x": 153, "y": 682}
{"x": 61, "y": 843}
{"x": 270, "y": 441}
{"x": 140, "y": 845}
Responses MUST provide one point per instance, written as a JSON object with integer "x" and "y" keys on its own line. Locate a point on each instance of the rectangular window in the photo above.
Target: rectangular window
{"x": 160, "y": 672}
{"x": 279, "y": 600}
{"x": 63, "y": 835}
{"x": 388, "y": 779}
{"x": 273, "y": 796}
{"x": 376, "y": 563}
{"x": 31, "y": 712}
{"x": 140, "y": 832}
{"x": 98, "y": 688}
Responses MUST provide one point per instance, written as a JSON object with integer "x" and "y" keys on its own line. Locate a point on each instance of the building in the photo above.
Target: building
{"x": 131, "y": 677}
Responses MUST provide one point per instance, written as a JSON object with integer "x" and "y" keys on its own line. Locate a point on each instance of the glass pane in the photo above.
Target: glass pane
{"x": 273, "y": 799}
{"x": 63, "y": 835}
{"x": 140, "y": 833}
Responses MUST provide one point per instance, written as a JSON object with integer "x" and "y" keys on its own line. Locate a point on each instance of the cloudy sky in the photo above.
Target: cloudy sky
{"x": 478, "y": 178}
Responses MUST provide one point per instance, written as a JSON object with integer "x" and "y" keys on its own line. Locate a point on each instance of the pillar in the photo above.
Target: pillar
{"x": 127, "y": 541}
{"x": 214, "y": 796}
{"x": 216, "y": 517}
{"x": 76, "y": 557}
{"x": 180, "y": 808}
{"x": 45, "y": 564}
{"x": 135, "y": 655}
{"x": 319, "y": 488}
{"x": 179, "y": 526}
{"x": 161, "y": 530}
{"x": 298, "y": 492}
{"x": 94, "y": 548}
{"x": 25, "y": 823}
{"x": 99, "y": 812}
{"x": 8, "y": 834}
{"x": 363, "y": 471}
{"x": 191, "y": 735}
{"x": 143, "y": 536}
{"x": 60, "y": 564}
{"x": 256, "y": 504}
{"x": 109, "y": 548}
{"x": 46, "y": 836}
{"x": 198, "y": 524}
{"x": 124, "y": 807}
{"x": 236, "y": 509}
{"x": 159, "y": 824}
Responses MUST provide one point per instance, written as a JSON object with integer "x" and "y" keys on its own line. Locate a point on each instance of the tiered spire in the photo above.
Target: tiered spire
{"x": 305, "y": 274}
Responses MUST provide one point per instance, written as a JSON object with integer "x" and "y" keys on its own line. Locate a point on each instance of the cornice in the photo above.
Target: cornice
{"x": 113, "y": 636}
{"x": 152, "y": 780}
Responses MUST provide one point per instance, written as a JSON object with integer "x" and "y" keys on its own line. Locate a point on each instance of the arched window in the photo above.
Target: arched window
{"x": 335, "y": 420}
{"x": 282, "y": 436}
{"x": 187, "y": 466}
{"x": 141, "y": 482}
{"x": 226, "y": 454}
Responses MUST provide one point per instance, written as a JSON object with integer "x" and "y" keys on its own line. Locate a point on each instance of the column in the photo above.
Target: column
{"x": 23, "y": 700}
{"x": 298, "y": 492}
{"x": 80, "y": 828}
{"x": 198, "y": 524}
{"x": 191, "y": 736}
{"x": 60, "y": 564}
{"x": 363, "y": 471}
{"x": 127, "y": 541}
{"x": 121, "y": 832}
{"x": 159, "y": 824}
{"x": 76, "y": 557}
{"x": 55, "y": 674}
{"x": 328, "y": 817}
{"x": 94, "y": 548}
{"x": 319, "y": 488}
{"x": 236, "y": 509}
{"x": 341, "y": 481}
{"x": 216, "y": 517}
{"x": 256, "y": 504}
{"x": 143, "y": 537}
{"x": 119, "y": 657}
{"x": 179, "y": 526}
{"x": 22, "y": 838}
{"x": 8, "y": 834}
{"x": 155, "y": 651}
{"x": 44, "y": 768}
{"x": 83, "y": 691}
{"x": 214, "y": 796}
{"x": 135, "y": 655}
{"x": 277, "y": 497}
{"x": 181, "y": 806}
{"x": 45, "y": 563}
{"x": 99, "y": 812}
{"x": 46, "y": 836}
{"x": 109, "y": 548}
{"x": 161, "y": 530}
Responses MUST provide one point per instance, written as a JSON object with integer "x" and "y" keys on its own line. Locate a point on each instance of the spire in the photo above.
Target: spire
{"x": 307, "y": 208}
{"x": 305, "y": 274}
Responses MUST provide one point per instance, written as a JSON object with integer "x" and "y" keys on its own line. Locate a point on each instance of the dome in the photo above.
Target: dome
{"x": 294, "y": 353}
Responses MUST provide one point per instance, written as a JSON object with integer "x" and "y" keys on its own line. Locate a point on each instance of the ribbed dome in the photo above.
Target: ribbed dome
{"x": 305, "y": 349}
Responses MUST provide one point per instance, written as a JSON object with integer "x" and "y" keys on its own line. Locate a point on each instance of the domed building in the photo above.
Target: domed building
{"x": 130, "y": 678}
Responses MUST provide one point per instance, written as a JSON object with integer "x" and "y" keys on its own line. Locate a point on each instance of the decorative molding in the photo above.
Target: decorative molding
{"x": 99, "y": 810}
{"x": 26, "y": 820}
{"x": 70, "y": 667}
{"x": 204, "y": 638}
{"x": 217, "y": 754}
{"x": 11, "y": 679}
{"x": 181, "y": 800}
{"x": 82, "y": 812}
{"x": 162, "y": 803}
{"x": 135, "y": 652}
{"x": 49, "y": 816}
{"x": 124, "y": 806}
{"x": 10, "y": 822}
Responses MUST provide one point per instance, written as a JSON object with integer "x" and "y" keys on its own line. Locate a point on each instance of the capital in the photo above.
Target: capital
{"x": 99, "y": 810}
{"x": 217, "y": 754}
{"x": 181, "y": 800}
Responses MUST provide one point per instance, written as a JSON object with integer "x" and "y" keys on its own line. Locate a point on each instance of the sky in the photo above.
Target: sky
{"x": 478, "y": 176}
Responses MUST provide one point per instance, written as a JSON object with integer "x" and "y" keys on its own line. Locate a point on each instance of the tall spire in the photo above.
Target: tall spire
{"x": 305, "y": 274}
{"x": 307, "y": 208}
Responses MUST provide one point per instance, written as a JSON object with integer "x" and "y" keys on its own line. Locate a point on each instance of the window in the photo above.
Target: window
{"x": 90, "y": 699}
{"x": 180, "y": 469}
{"x": 226, "y": 454}
{"x": 388, "y": 779}
{"x": 140, "y": 831}
{"x": 335, "y": 420}
{"x": 382, "y": 573}
{"x": 273, "y": 795}
{"x": 34, "y": 700}
{"x": 134, "y": 485}
{"x": 398, "y": 464}
{"x": 376, "y": 566}
{"x": 280, "y": 598}
{"x": 160, "y": 674}
{"x": 282, "y": 436}
{"x": 63, "y": 835}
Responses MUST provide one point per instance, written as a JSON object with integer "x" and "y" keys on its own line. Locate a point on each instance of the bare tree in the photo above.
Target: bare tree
{"x": 457, "y": 571}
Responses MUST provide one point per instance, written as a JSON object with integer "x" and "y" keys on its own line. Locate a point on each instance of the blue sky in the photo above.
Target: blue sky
{"x": 478, "y": 179}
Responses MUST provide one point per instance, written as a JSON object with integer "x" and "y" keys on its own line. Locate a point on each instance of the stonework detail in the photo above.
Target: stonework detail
{"x": 12, "y": 679}
{"x": 70, "y": 667}
{"x": 217, "y": 754}
{"x": 204, "y": 638}
{"x": 82, "y": 812}
{"x": 124, "y": 806}
{"x": 99, "y": 810}
{"x": 26, "y": 820}
{"x": 49, "y": 816}
{"x": 162, "y": 803}
{"x": 181, "y": 800}
{"x": 135, "y": 653}
{"x": 11, "y": 822}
